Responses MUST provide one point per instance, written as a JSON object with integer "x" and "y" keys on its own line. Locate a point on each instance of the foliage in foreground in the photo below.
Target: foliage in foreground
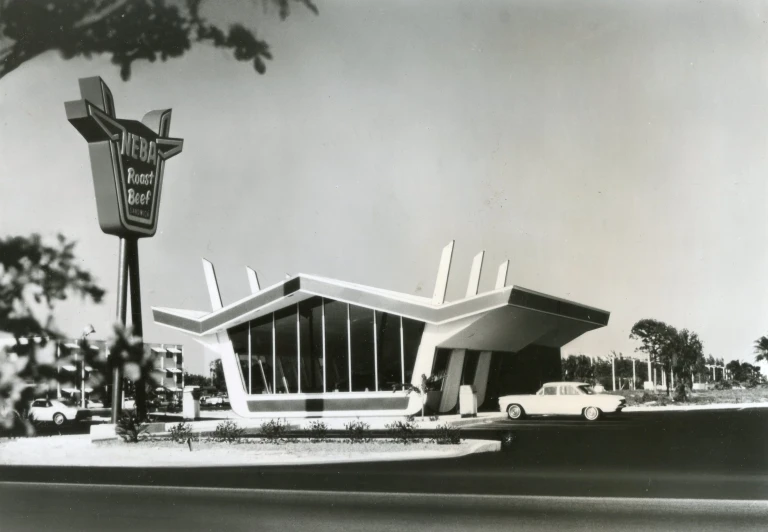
{"x": 274, "y": 429}
{"x": 228, "y": 431}
{"x": 445, "y": 434}
{"x": 318, "y": 431}
{"x": 357, "y": 431}
{"x": 181, "y": 432}
{"x": 130, "y": 429}
{"x": 402, "y": 431}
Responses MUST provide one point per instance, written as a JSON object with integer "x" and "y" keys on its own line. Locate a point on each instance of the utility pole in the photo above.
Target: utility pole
{"x": 634, "y": 375}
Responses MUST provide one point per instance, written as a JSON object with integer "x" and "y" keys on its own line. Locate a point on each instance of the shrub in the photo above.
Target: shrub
{"x": 228, "y": 431}
{"x": 447, "y": 435}
{"x": 722, "y": 385}
{"x": 181, "y": 432}
{"x": 401, "y": 431}
{"x": 130, "y": 429}
{"x": 357, "y": 431}
{"x": 682, "y": 392}
{"x": 647, "y": 397}
{"x": 274, "y": 429}
{"x": 434, "y": 417}
{"x": 318, "y": 431}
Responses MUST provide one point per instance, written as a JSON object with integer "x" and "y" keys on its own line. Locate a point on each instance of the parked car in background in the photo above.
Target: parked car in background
{"x": 214, "y": 400}
{"x": 52, "y": 410}
{"x": 562, "y": 398}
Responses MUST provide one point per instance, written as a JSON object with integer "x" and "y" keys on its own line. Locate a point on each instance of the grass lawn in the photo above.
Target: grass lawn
{"x": 750, "y": 395}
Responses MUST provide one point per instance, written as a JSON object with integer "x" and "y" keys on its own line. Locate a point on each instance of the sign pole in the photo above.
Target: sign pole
{"x": 122, "y": 288}
{"x": 138, "y": 326}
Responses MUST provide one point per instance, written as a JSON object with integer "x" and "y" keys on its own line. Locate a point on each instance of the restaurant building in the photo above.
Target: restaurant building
{"x": 311, "y": 346}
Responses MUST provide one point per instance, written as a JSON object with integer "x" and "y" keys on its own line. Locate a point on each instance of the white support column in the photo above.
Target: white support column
{"x": 441, "y": 282}
{"x": 250, "y": 357}
{"x": 402, "y": 352}
{"x": 650, "y": 371}
{"x": 501, "y": 276}
{"x": 474, "y": 275}
{"x": 613, "y": 372}
{"x": 375, "y": 354}
{"x": 322, "y": 319}
{"x": 298, "y": 350}
{"x": 253, "y": 280}
{"x": 213, "y": 286}
{"x": 274, "y": 356}
{"x": 349, "y": 349}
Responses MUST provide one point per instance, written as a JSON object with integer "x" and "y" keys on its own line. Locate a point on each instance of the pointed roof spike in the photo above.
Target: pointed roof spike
{"x": 213, "y": 286}
{"x": 501, "y": 277}
{"x": 474, "y": 275}
{"x": 253, "y": 280}
{"x": 441, "y": 282}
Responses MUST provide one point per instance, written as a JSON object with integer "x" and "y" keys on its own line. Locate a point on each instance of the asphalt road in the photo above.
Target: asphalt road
{"x": 35, "y": 507}
{"x": 715, "y": 457}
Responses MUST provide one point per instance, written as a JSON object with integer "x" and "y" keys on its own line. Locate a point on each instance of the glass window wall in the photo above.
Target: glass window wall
{"x": 363, "y": 356}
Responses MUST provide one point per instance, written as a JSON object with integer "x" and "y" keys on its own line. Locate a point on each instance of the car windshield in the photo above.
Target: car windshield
{"x": 586, "y": 390}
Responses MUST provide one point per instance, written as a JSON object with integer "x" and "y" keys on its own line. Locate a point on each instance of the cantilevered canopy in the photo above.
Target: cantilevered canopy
{"x": 499, "y": 312}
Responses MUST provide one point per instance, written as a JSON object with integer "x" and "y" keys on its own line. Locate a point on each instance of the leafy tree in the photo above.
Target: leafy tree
{"x": 761, "y": 349}
{"x": 687, "y": 355}
{"x": 34, "y": 277}
{"x": 744, "y": 372}
{"x": 190, "y": 379}
{"x": 217, "y": 375}
{"x": 128, "y": 30}
{"x": 578, "y": 368}
{"x": 656, "y": 340}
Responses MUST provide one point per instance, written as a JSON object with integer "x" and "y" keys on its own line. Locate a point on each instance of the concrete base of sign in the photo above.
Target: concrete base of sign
{"x": 698, "y": 386}
{"x": 648, "y": 385}
{"x": 103, "y": 432}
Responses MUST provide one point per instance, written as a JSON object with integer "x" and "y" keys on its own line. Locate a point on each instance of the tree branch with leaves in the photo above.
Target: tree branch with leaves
{"x": 127, "y": 30}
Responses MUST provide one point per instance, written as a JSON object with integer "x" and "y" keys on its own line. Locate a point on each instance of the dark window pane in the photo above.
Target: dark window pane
{"x": 471, "y": 359}
{"x": 239, "y": 337}
{"x": 442, "y": 357}
{"x": 336, "y": 375}
{"x": 261, "y": 355}
{"x": 285, "y": 339}
{"x": 412, "y": 331}
{"x": 311, "y": 335}
{"x": 388, "y": 338}
{"x": 363, "y": 368}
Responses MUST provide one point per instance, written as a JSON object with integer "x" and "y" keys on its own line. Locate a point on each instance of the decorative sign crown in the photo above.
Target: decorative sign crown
{"x": 127, "y": 159}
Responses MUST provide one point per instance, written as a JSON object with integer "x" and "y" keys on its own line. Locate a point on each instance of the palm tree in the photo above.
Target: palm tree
{"x": 427, "y": 383}
{"x": 761, "y": 348}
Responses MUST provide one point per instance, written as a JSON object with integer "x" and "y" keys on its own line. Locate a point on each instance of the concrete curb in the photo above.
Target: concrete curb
{"x": 682, "y": 408}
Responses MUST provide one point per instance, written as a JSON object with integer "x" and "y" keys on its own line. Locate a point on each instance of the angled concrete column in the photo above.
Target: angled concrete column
{"x": 452, "y": 380}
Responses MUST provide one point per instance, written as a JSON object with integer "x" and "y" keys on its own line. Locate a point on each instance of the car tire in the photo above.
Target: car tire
{"x": 592, "y": 413}
{"x": 59, "y": 419}
{"x": 515, "y": 412}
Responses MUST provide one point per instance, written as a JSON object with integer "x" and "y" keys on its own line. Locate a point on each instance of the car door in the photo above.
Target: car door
{"x": 571, "y": 400}
{"x": 545, "y": 400}
{"x": 42, "y": 410}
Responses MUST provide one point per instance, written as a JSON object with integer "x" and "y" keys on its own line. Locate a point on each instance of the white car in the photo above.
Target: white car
{"x": 564, "y": 399}
{"x": 52, "y": 410}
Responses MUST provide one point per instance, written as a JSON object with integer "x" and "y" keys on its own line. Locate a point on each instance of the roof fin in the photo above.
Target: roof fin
{"x": 213, "y": 285}
{"x": 253, "y": 280}
{"x": 501, "y": 277}
{"x": 441, "y": 283}
{"x": 474, "y": 275}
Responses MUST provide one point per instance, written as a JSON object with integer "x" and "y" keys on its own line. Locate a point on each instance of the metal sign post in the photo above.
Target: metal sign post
{"x": 127, "y": 162}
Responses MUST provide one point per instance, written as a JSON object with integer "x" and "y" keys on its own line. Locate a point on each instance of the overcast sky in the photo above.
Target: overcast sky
{"x": 615, "y": 152}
